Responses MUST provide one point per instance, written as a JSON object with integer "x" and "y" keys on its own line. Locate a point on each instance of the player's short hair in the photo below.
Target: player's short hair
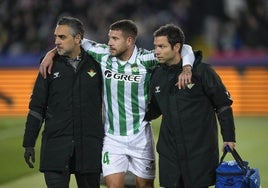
{"x": 128, "y": 27}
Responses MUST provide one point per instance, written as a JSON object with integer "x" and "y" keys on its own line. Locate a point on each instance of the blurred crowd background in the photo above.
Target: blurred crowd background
{"x": 27, "y": 26}
{"x": 233, "y": 35}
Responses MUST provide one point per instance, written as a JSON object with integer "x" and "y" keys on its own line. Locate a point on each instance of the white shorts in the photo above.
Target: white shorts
{"x": 133, "y": 153}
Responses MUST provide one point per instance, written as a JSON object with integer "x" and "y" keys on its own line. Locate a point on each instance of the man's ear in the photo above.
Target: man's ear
{"x": 130, "y": 41}
{"x": 78, "y": 38}
{"x": 178, "y": 47}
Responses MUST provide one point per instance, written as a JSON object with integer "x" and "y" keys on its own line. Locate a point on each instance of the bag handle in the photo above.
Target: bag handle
{"x": 236, "y": 156}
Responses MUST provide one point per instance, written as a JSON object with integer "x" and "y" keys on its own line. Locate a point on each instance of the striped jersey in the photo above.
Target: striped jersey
{"x": 126, "y": 87}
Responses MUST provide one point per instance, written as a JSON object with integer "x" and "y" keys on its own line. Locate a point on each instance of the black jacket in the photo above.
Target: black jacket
{"x": 70, "y": 102}
{"x": 188, "y": 137}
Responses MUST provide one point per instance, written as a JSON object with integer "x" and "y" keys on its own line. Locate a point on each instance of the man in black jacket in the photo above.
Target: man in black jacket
{"x": 70, "y": 103}
{"x": 188, "y": 138}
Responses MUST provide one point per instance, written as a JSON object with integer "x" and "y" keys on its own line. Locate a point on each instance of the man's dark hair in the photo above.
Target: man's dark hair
{"x": 128, "y": 27}
{"x": 75, "y": 24}
{"x": 173, "y": 33}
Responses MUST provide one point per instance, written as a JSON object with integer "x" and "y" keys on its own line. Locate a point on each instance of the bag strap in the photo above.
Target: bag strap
{"x": 236, "y": 156}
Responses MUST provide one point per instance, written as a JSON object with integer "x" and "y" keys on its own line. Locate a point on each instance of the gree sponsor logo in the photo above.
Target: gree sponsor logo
{"x": 122, "y": 77}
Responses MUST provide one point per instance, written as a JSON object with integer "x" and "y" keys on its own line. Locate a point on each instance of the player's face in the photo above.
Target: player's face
{"x": 118, "y": 43}
{"x": 164, "y": 51}
{"x": 66, "y": 44}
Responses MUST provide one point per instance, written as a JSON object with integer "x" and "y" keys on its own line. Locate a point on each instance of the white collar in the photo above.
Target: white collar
{"x": 131, "y": 60}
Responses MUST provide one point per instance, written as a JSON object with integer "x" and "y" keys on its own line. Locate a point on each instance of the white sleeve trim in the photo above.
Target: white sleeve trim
{"x": 187, "y": 55}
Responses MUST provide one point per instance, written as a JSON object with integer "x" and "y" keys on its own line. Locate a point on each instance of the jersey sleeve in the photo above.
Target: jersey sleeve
{"x": 87, "y": 44}
{"x": 148, "y": 58}
{"x": 94, "y": 49}
{"x": 187, "y": 55}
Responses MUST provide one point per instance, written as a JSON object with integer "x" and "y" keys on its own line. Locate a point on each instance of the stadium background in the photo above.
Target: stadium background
{"x": 231, "y": 34}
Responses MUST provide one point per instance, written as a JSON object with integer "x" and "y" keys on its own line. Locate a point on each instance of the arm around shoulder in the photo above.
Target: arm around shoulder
{"x": 187, "y": 55}
{"x": 47, "y": 62}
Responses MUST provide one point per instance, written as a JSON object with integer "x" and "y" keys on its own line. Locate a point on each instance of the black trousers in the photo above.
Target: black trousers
{"x": 181, "y": 185}
{"x": 62, "y": 180}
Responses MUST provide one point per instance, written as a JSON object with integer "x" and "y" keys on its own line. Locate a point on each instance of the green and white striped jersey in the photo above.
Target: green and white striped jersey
{"x": 126, "y": 87}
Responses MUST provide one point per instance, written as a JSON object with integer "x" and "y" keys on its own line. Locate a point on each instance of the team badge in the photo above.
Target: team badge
{"x": 134, "y": 69}
{"x": 91, "y": 73}
{"x": 190, "y": 85}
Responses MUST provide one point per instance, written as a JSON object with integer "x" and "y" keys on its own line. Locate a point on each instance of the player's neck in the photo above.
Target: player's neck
{"x": 125, "y": 56}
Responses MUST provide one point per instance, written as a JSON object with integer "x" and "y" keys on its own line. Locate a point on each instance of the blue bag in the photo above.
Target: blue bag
{"x": 237, "y": 173}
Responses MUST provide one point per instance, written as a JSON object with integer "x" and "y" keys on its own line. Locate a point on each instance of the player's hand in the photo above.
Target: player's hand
{"x": 46, "y": 64}
{"x": 185, "y": 77}
{"x": 29, "y": 156}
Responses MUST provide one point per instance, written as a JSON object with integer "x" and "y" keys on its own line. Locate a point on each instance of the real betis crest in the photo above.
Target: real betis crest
{"x": 190, "y": 85}
{"x": 91, "y": 73}
{"x": 134, "y": 69}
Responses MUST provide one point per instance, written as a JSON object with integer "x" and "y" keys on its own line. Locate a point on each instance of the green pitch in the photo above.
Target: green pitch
{"x": 252, "y": 140}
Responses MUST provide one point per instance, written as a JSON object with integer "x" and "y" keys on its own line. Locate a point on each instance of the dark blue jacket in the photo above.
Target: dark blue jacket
{"x": 188, "y": 137}
{"x": 70, "y": 102}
